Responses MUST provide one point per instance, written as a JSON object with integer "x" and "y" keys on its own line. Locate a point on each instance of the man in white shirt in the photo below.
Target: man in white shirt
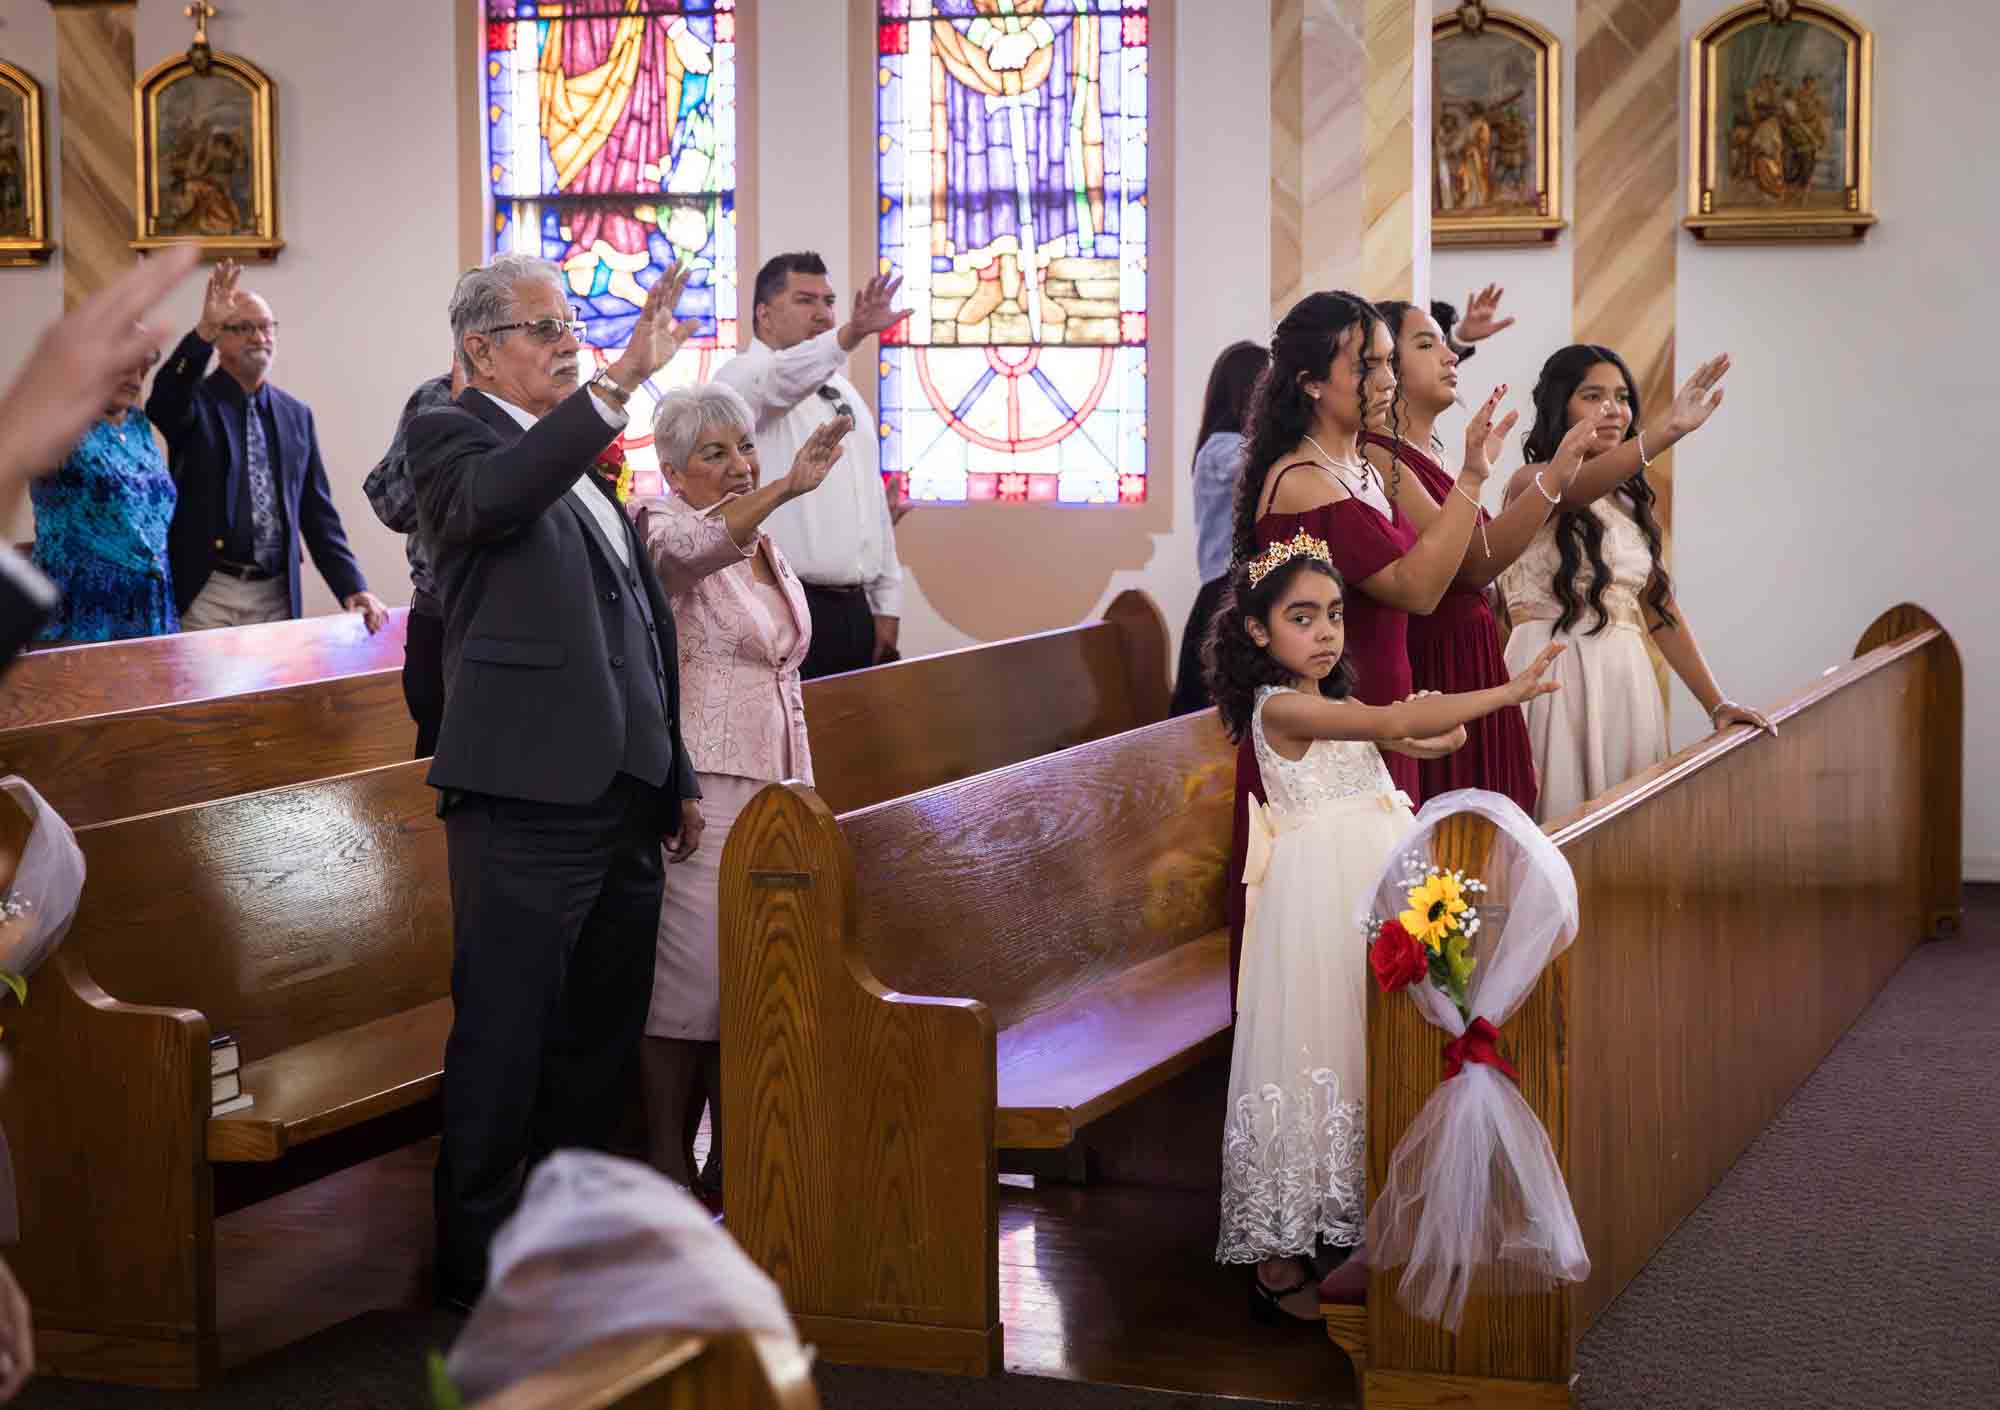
{"x": 840, "y": 539}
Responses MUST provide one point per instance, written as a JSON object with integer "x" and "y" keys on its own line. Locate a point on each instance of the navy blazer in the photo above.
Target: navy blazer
{"x": 198, "y": 416}
{"x": 534, "y": 606}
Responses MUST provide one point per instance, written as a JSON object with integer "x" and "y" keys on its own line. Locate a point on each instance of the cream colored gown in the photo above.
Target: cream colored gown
{"x": 1609, "y": 720}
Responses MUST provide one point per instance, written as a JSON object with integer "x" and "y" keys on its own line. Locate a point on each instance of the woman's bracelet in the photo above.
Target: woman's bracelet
{"x": 1485, "y": 543}
{"x": 1645, "y": 460}
{"x": 1551, "y": 498}
{"x": 1723, "y": 704}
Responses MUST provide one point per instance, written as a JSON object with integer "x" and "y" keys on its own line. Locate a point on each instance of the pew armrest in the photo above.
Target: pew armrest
{"x": 641, "y": 1369}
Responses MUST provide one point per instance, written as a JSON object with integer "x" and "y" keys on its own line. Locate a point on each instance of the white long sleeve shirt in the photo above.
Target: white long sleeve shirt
{"x": 839, "y": 535}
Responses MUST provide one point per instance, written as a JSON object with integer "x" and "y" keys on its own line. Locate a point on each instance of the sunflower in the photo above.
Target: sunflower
{"x": 1435, "y": 905}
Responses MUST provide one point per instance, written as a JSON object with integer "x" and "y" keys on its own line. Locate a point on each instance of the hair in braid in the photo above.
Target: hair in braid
{"x": 1579, "y": 533}
{"x": 1302, "y": 349}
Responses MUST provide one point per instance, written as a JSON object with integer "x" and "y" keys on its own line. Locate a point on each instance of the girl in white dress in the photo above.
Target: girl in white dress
{"x": 1592, "y": 577}
{"x": 1292, "y": 1169}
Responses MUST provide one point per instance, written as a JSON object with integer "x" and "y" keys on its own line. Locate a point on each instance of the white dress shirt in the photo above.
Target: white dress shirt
{"x": 593, "y": 500}
{"x": 840, "y": 535}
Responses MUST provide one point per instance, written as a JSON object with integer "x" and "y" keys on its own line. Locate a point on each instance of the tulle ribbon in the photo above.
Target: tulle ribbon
{"x": 1473, "y": 1193}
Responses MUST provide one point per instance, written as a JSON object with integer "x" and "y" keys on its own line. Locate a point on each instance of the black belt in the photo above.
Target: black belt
{"x": 837, "y": 590}
{"x": 248, "y": 572}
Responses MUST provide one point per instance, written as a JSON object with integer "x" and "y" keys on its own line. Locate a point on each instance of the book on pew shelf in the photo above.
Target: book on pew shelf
{"x": 223, "y": 1055}
{"x": 225, "y": 1088}
{"x": 239, "y": 1102}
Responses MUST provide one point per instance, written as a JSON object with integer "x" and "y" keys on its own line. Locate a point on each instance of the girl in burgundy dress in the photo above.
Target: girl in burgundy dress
{"x": 1303, "y": 471}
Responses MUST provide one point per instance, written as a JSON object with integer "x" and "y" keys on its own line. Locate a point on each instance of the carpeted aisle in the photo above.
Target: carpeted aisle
{"x": 1851, "y": 1258}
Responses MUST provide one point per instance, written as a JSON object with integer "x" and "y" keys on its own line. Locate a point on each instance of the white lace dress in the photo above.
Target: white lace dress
{"x": 1292, "y": 1148}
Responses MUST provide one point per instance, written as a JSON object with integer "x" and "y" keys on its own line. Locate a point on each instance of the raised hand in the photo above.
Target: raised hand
{"x": 77, "y": 363}
{"x": 1570, "y": 450}
{"x": 657, "y": 335}
{"x": 875, "y": 307}
{"x": 218, "y": 301}
{"x": 1483, "y": 439}
{"x": 817, "y": 457}
{"x": 1698, "y": 397}
{"x": 1481, "y": 319}
{"x": 1530, "y": 682}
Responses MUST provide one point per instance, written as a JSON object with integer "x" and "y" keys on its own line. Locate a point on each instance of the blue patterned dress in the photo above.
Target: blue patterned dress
{"x": 101, "y": 535}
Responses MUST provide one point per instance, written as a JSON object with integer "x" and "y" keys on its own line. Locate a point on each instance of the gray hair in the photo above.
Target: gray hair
{"x": 687, "y": 414}
{"x": 484, "y": 297}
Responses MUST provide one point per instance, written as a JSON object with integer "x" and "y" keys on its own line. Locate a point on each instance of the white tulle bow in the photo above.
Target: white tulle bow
{"x": 1473, "y": 1192}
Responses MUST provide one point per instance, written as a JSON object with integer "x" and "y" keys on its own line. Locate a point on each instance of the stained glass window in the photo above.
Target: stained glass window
{"x": 611, "y": 146}
{"x": 1011, "y": 165}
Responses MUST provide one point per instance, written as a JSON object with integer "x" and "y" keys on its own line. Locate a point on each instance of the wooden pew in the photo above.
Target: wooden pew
{"x": 133, "y": 727}
{"x": 1072, "y": 908}
{"x": 1741, "y": 905}
{"x": 125, "y": 727}
{"x": 313, "y": 923}
{"x": 670, "y": 1371}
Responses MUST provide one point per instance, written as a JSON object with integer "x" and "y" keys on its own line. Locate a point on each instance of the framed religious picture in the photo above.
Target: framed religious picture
{"x": 1780, "y": 118}
{"x": 24, "y": 187}
{"x": 1496, "y": 129}
{"x": 207, "y": 155}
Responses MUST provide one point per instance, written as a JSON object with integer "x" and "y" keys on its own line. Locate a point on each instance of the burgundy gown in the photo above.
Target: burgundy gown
{"x": 1362, "y": 543}
{"x": 1457, "y": 648}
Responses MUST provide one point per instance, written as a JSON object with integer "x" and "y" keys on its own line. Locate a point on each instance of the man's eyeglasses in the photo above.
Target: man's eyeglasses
{"x": 543, "y": 330}
{"x": 831, "y": 393}
{"x": 268, "y": 328}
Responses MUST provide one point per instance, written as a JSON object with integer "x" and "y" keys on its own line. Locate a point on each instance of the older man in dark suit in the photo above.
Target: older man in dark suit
{"x": 559, "y": 760}
{"x": 246, "y": 464}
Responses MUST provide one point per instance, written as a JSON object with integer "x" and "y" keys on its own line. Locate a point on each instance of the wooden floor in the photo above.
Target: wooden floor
{"x": 1110, "y": 1284}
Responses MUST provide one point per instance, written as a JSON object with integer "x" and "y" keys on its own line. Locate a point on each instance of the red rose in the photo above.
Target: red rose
{"x": 1397, "y": 958}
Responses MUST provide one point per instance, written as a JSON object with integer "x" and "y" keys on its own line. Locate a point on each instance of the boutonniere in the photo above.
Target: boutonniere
{"x": 610, "y": 467}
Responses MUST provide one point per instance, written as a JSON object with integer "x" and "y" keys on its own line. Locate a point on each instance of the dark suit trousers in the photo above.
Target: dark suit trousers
{"x": 423, "y": 677}
{"x": 555, "y": 910}
{"x": 843, "y": 636}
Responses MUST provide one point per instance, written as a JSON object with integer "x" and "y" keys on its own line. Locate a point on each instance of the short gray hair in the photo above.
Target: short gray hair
{"x": 484, "y": 297}
{"x": 687, "y": 414}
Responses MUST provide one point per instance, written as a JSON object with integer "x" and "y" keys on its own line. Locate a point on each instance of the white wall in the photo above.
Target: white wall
{"x": 1849, "y": 469}
{"x": 368, "y": 159}
{"x": 32, "y": 295}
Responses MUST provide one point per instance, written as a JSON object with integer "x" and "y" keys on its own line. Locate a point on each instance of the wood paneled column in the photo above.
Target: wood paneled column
{"x": 1628, "y": 116}
{"x": 94, "y": 79}
{"x": 1396, "y": 230}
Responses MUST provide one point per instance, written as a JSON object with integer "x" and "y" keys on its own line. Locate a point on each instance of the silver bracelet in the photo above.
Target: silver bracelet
{"x": 1645, "y": 460}
{"x": 1551, "y": 498}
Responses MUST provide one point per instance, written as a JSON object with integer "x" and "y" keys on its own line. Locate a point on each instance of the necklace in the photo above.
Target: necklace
{"x": 1361, "y": 468}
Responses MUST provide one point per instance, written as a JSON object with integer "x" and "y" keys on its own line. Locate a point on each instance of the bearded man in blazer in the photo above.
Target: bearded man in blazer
{"x": 559, "y": 761}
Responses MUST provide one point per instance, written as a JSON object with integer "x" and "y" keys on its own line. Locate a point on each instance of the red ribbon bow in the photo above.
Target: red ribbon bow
{"x": 1481, "y": 1043}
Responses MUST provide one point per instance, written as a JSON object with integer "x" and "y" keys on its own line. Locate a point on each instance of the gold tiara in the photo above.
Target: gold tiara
{"x": 1284, "y": 550}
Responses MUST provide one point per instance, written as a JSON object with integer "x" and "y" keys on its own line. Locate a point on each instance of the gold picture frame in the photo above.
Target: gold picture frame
{"x": 1496, "y": 130}
{"x": 1771, "y": 154}
{"x": 207, "y": 156}
{"x": 24, "y": 178}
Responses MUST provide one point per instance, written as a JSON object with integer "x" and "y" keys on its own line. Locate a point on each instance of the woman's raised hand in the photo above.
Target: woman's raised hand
{"x": 818, "y": 456}
{"x": 1531, "y": 683}
{"x": 1576, "y": 440}
{"x": 1698, "y": 397}
{"x": 1483, "y": 439}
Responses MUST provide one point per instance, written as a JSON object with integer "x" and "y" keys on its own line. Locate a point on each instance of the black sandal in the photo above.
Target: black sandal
{"x": 1265, "y": 1303}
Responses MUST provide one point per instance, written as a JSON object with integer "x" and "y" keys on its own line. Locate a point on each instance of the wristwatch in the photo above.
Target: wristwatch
{"x": 611, "y": 391}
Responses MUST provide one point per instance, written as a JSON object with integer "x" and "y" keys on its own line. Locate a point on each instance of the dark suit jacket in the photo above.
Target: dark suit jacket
{"x": 199, "y": 417}
{"x": 531, "y": 591}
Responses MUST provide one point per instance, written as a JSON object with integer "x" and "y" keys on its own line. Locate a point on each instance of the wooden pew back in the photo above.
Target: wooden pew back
{"x": 282, "y": 916}
{"x": 894, "y": 730}
{"x": 1742, "y": 903}
{"x": 1023, "y": 886}
{"x": 105, "y": 678}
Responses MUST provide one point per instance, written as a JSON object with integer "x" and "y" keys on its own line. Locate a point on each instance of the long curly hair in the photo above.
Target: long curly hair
{"x": 1579, "y": 533}
{"x": 1395, "y": 312}
{"x": 1235, "y": 665}
{"x": 1304, "y": 346}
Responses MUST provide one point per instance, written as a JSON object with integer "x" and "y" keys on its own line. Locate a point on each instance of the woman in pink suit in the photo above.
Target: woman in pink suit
{"x": 740, "y": 615}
